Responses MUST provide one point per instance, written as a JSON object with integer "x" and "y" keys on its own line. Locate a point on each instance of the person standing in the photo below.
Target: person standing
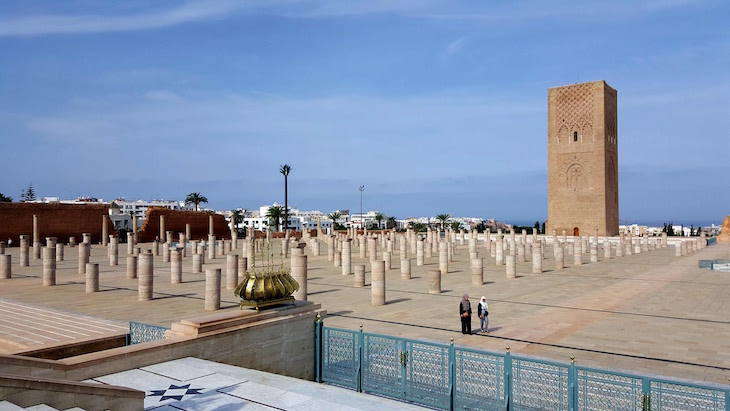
{"x": 483, "y": 311}
{"x": 465, "y": 314}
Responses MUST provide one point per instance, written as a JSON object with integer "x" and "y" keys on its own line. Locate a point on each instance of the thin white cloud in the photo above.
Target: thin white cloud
{"x": 454, "y": 47}
{"x": 106, "y": 22}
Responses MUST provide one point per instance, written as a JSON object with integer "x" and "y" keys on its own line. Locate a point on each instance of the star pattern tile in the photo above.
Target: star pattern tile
{"x": 175, "y": 392}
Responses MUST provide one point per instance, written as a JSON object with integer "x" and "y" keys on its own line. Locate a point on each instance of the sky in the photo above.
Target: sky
{"x": 434, "y": 106}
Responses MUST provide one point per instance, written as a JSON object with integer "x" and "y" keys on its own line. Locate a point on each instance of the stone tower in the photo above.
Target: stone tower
{"x": 583, "y": 159}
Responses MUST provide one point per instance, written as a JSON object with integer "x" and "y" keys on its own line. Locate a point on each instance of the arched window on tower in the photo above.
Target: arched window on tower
{"x": 575, "y": 136}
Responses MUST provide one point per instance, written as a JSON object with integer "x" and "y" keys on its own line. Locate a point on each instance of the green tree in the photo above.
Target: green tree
{"x": 537, "y": 227}
{"x": 5, "y": 199}
{"x": 543, "y": 227}
{"x": 443, "y": 218}
{"x": 237, "y": 218}
{"x": 379, "y": 217}
{"x": 274, "y": 214}
{"x": 699, "y": 231}
{"x": 285, "y": 170}
{"x": 391, "y": 223}
{"x": 334, "y": 216}
{"x": 417, "y": 226}
{"x": 28, "y": 194}
{"x": 195, "y": 198}
{"x": 456, "y": 225}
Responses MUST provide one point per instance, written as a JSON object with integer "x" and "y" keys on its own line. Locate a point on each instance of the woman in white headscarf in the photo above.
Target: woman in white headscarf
{"x": 483, "y": 312}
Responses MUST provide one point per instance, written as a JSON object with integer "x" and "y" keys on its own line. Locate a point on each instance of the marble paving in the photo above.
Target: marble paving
{"x": 192, "y": 384}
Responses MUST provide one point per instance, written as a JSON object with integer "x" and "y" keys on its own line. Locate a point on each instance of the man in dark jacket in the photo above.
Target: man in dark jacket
{"x": 465, "y": 314}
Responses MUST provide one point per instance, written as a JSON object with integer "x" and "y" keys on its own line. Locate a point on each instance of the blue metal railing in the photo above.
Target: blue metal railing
{"x": 141, "y": 333}
{"x": 711, "y": 240}
{"x": 715, "y": 265}
{"x": 455, "y": 378}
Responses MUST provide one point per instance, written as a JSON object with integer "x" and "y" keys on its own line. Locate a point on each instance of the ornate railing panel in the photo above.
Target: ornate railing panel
{"x": 447, "y": 377}
{"x": 340, "y": 361}
{"x": 479, "y": 380}
{"x": 539, "y": 385}
{"x": 603, "y": 390}
{"x": 142, "y": 333}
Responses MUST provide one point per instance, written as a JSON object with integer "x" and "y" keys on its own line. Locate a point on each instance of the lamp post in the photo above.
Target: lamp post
{"x": 362, "y": 223}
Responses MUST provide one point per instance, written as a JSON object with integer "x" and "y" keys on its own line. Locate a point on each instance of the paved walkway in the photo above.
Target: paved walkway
{"x": 651, "y": 312}
{"x": 193, "y": 384}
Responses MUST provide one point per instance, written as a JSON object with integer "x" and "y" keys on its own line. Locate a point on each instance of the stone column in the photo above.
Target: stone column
{"x": 175, "y": 265}
{"x": 337, "y": 260}
{"x": 565, "y": 236}
{"x": 131, "y": 267}
{"x": 419, "y": 253}
{"x": 477, "y": 271}
{"x": 166, "y": 253}
{"x": 594, "y": 253}
{"x": 36, "y": 250}
{"x": 146, "y": 275}
{"x": 330, "y": 248}
{"x": 606, "y": 249}
{"x": 315, "y": 247}
{"x": 372, "y": 249}
{"x": 113, "y": 251}
{"x": 49, "y": 266}
{"x": 198, "y": 263}
{"x": 362, "y": 245}
{"x": 637, "y": 246}
{"x": 134, "y": 228}
{"x": 36, "y": 231}
{"x": 511, "y": 267}
{"x": 377, "y": 282}
{"x": 6, "y": 270}
{"x": 402, "y": 246}
{"x": 346, "y": 257}
{"x": 443, "y": 258}
{"x": 83, "y": 257}
{"x": 537, "y": 258}
{"x": 59, "y": 252}
{"x": 387, "y": 260}
{"x": 678, "y": 249}
{"x": 359, "y": 275}
{"x": 72, "y": 242}
{"x": 559, "y": 256}
{"x": 2, "y": 247}
{"x": 162, "y": 228}
{"x": 92, "y": 278}
{"x": 520, "y": 251}
{"x": 211, "y": 230}
{"x": 24, "y": 249}
{"x": 434, "y": 281}
{"x": 211, "y": 247}
{"x": 104, "y": 230}
{"x": 212, "y": 289}
{"x": 231, "y": 271}
{"x": 130, "y": 244}
{"x": 577, "y": 252}
{"x": 242, "y": 264}
{"x": 249, "y": 254}
{"x": 299, "y": 273}
{"x": 664, "y": 240}
{"x": 405, "y": 269}
{"x": 183, "y": 244}
{"x": 499, "y": 252}
{"x": 285, "y": 248}
{"x": 188, "y": 234}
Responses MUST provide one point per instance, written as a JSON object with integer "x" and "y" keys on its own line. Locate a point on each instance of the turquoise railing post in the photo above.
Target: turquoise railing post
{"x": 646, "y": 389}
{"x": 403, "y": 369}
{"x": 318, "y": 323}
{"x": 452, "y": 373}
{"x": 572, "y": 384}
{"x": 507, "y": 380}
{"x": 727, "y": 397}
{"x": 360, "y": 344}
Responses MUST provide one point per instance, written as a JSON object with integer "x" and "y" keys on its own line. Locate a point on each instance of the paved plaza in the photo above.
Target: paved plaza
{"x": 646, "y": 313}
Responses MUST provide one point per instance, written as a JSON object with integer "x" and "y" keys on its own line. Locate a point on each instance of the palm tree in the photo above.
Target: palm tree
{"x": 334, "y": 216}
{"x": 195, "y": 198}
{"x": 274, "y": 214}
{"x": 236, "y": 217}
{"x": 416, "y": 226}
{"x": 443, "y": 218}
{"x": 391, "y": 223}
{"x": 455, "y": 225}
{"x": 379, "y": 217}
{"x": 285, "y": 170}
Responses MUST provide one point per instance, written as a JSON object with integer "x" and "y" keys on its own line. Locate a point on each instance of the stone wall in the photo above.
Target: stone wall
{"x": 175, "y": 221}
{"x": 54, "y": 220}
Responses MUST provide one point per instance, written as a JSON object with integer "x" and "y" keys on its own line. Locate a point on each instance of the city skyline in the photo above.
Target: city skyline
{"x": 434, "y": 107}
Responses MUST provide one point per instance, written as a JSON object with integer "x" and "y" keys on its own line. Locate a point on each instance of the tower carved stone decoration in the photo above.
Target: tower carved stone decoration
{"x": 583, "y": 159}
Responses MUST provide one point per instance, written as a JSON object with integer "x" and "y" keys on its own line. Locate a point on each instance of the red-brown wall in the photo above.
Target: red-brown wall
{"x": 54, "y": 220}
{"x": 175, "y": 221}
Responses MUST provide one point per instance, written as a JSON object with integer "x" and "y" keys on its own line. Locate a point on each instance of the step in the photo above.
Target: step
{"x": 9, "y": 406}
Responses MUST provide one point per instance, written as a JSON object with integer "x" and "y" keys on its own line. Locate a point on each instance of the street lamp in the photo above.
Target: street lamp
{"x": 362, "y": 223}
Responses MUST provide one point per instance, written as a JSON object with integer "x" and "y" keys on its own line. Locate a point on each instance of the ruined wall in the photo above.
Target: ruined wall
{"x": 725, "y": 230}
{"x": 54, "y": 220}
{"x": 175, "y": 221}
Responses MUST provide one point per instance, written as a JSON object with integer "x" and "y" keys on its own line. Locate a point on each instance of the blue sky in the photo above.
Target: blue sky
{"x": 435, "y": 106}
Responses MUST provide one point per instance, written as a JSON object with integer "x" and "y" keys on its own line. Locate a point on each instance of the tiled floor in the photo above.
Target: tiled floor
{"x": 193, "y": 384}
